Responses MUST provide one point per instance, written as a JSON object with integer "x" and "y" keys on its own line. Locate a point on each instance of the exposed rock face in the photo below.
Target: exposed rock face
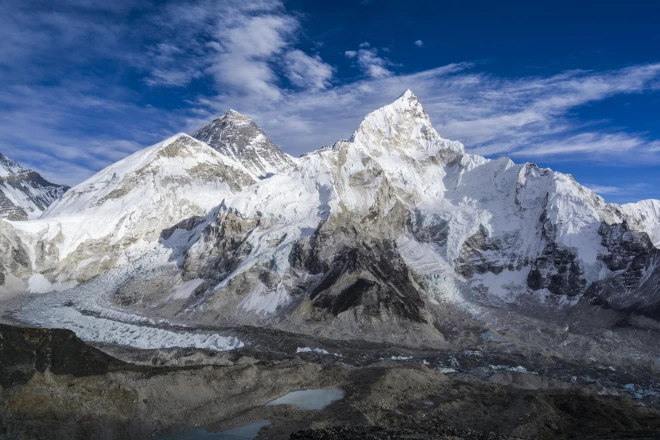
{"x": 634, "y": 283}
{"x": 238, "y": 137}
{"x": 360, "y": 232}
{"x": 481, "y": 254}
{"x": 14, "y": 259}
{"x": 222, "y": 246}
{"x": 26, "y": 351}
{"x": 24, "y": 193}
{"x": 556, "y": 269}
{"x": 368, "y": 277}
{"x": 429, "y": 228}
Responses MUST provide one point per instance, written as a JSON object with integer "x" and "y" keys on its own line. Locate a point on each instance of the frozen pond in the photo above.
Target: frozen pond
{"x": 314, "y": 399}
{"x": 247, "y": 432}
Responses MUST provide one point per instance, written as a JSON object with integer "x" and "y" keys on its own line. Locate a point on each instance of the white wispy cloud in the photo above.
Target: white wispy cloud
{"x": 605, "y": 189}
{"x": 523, "y": 117}
{"x": 598, "y": 143}
{"x": 625, "y": 192}
{"x": 368, "y": 60}
{"x": 309, "y": 72}
{"x": 249, "y": 53}
{"x": 419, "y": 43}
{"x": 244, "y": 46}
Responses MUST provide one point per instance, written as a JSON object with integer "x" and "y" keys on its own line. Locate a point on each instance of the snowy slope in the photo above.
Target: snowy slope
{"x": 24, "y": 194}
{"x": 121, "y": 212}
{"x": 238, "y": 137}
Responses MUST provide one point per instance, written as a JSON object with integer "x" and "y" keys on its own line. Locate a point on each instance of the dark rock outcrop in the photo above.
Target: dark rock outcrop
{"x": 25, "y": 351}
{"x": 428, "y": 228}
{"x": 634, "y": 283}
{"x": 556, "y": 269}
{"x": 359, "y": 273}
{"x": 481, "y": 254}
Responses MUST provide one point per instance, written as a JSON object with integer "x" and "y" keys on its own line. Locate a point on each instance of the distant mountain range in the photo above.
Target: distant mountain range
{"x": 24, "y": 194}
{"x": 352, "y": 240}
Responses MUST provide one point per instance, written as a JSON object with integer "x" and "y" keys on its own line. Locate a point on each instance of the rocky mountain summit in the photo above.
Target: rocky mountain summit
{"x": 24, "y": 194}
{"x": 239, "y": 138}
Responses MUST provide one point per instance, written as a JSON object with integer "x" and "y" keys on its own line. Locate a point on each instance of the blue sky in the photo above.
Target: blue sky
{"x": 574, "y": 86}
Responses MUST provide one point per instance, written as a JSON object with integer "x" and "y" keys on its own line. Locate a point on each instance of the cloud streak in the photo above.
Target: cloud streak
{"x": 523, "y": 117}
{"x": 208, "y": 56}
{"x": 369, "y": 62}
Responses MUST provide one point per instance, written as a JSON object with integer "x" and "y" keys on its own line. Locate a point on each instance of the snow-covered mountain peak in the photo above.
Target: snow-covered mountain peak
{"x": 402, "y": 126}
{"x": 120, "y": 212}
{"x": 240, "y": 138}
{"x": 231, "y": 116}
{"x": 9, "y": 167}
{"x": 24, "y": 193}
{"x": 180, "y": 160}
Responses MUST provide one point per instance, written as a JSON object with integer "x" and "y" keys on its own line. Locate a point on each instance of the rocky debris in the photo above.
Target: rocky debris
{"x": 71, "y": 391}
{"x": 383, "y": 433}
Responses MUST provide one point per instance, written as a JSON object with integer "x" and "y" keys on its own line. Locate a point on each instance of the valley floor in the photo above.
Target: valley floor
{"x": 56, "y": 386}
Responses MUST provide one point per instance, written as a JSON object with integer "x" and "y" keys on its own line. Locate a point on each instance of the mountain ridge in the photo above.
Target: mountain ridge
{"x": 239, "y": 138}
{"x": 378, "y": 232}
{"x": 24, "y": 194}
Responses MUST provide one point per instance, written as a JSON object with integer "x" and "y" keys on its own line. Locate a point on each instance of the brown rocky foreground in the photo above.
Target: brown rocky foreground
{"x": 54, "y": 386}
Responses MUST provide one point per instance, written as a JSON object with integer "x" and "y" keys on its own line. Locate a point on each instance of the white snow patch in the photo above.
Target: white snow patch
{"x": 37, "y": 283}
{"x": 263, "y": 301}
{"x": 186, "y": 289}
{"x": 311, "y": 350}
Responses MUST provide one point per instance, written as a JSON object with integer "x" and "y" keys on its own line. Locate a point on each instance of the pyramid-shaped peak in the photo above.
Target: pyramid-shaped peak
{"x": 9, "y": 166}
{"x": 408, "y": 94}
{"x": 406, "y": 111}
{"x": 238, "y": 137}
{"x": 405, "y": 107}
{"x": 408, "y": 100}
{"x": 403, "y": 124}
{"x": 232, "y": 115}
